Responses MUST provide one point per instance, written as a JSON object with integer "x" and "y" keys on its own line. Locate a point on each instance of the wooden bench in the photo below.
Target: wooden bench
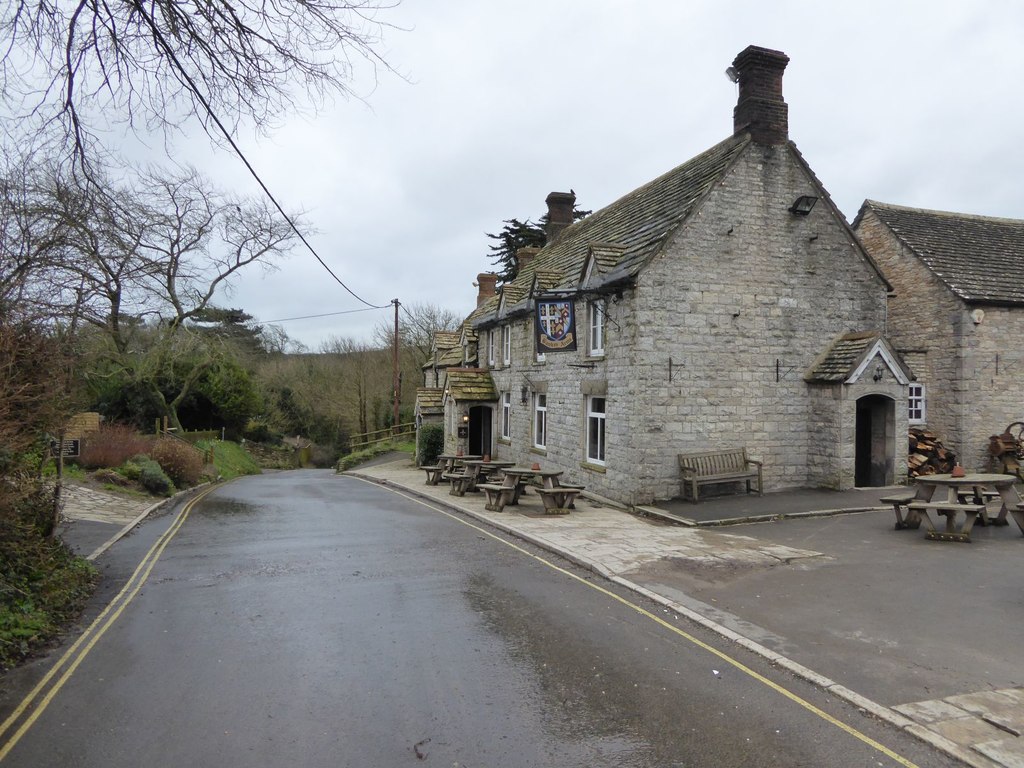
{"x": 899, "y": 502}
{"x": 460, "y": 482}
{"x": 712, "y": 467}
{"x": 558, "y": 500}
{"x": 498, "y": 495}
{"x": 949, "y": 509}
{"x": 434, "y": 473}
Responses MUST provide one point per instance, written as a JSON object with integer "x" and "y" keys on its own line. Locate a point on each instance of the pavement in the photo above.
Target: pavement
{"x": 922, "y": 634}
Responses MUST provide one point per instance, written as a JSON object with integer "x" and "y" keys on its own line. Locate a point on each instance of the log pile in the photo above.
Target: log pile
{"x": 928, "y": 456}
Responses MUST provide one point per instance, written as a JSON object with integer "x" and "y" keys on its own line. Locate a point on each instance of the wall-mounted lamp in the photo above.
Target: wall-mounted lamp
{"x": 523, "y": 392}
{"x": 879, "y": 372}
{"x": 465, "y": 418}
{"x": 803, "y": 205}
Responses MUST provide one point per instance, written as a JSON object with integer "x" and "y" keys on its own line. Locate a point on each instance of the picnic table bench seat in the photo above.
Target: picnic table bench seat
{"x": 498, "y": 495}
{"x": 712, "y": 467}
{"x": 559, "y": 499}
{"x": 460, "y": 482}
{"x": 899, "y": 501}
{"x": 434, "y": 473}
{"x": 949, "y": 510}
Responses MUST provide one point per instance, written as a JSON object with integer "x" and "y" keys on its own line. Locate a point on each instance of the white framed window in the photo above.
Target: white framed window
{"x": 506, "y": 415}
{"x": 540, "y": 420}
{"x": 506, "y": 344}
{"x": 595, "y": 318}
{"x": 490, "y": 347}
{"x": 595, "y": 429}
{"x": 915, "y": 403}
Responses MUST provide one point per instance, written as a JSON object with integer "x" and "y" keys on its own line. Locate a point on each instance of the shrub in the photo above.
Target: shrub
{"x": 152, "y": 477}
{"x": 258, "y": 432}
{"x": 183, "y": 463}
{"x": 112, "y": 446}
{"x": 431, "y": 444}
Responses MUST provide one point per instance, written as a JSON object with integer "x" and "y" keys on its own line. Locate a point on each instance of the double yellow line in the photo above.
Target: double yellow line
{"x": 28, "y": 711}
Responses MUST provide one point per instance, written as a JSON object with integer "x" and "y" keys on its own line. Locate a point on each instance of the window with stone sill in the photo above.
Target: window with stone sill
{"x": 595, "y": 429}
{"x": 491, "y": 341}
{"x": 506, "y": 344}
{"x": 915, "y": 403}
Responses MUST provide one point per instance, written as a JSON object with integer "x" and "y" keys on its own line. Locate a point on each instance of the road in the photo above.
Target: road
{"x": 305, "y": 618}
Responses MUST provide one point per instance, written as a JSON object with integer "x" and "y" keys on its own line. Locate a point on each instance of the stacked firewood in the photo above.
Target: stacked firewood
{"x": 928, "y": 456}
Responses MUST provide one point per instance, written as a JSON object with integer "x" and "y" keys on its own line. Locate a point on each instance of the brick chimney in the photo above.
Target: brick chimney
{"x": 761, "y": 109}
{"x": 525, "y": 255}
{"x": 486, "y": 281}
{"x": 560, "y": 205}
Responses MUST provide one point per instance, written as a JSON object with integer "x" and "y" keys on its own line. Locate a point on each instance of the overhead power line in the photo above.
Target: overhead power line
{"x": 158, "y": 35}
{"x": 325, "y": 314}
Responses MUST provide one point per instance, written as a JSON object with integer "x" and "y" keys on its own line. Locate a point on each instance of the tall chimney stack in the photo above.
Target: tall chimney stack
{"x": 560, "y": 205}
{"x": 486, "y": 281}
{"x": 761, "y": 109}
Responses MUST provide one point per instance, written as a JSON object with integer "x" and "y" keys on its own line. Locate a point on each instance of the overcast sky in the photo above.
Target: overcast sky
{"x": 912, "y": 103}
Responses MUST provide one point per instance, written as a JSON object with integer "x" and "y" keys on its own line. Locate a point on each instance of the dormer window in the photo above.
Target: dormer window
{"x": 506, "y": 344}
{"x": 491, "y": 343}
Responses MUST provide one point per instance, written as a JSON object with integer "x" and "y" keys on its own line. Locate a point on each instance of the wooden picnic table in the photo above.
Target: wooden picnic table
{"x": 972, "y": 486}
{"x": 556, "y": 498}
{"x": 475, "y": 466}
{"x": 452, "y": 459}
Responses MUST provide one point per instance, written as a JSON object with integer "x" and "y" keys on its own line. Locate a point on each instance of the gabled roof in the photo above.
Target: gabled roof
{"x": 430, "y": 400}
{"x": 979, "y": 258}
{"x": 446, "y": 339}
{"x": 625, "y": 234}
{"x": 450, "y": 357}
{"x": 846, "y": 358}
{"x": 466, "y": 384}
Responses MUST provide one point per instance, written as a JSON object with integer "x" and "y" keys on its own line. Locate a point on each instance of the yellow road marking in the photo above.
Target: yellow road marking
{"x": 91, "y": 636}
{"x": 899, "y": 759}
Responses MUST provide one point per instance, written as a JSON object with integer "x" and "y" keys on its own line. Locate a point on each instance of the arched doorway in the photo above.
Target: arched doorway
{"x": 875, "y": 461}
{"x": 480, "y": 420}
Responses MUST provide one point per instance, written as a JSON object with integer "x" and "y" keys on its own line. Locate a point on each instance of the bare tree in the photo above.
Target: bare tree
{"x": 417, "y": 324}
{"x": 84, "y": 65}
{"x": 144, "y": 258}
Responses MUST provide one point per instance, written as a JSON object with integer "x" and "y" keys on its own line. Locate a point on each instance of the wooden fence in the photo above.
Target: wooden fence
{"x": 366, "y": 439}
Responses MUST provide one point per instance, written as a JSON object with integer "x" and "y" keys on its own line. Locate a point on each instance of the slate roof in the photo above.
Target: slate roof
{"x": 471, "y": 384}
{"x": 446, "y": 339}
{"x": 448, "y": 358}
{"x": 979, "y": 258}
{"x": 625, "y": 234}
{"x": 839, "y": 361}
{"x": 430, "y": 399}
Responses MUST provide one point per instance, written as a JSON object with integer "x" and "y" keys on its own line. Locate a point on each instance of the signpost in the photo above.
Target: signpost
{"x": 66, "y": 448}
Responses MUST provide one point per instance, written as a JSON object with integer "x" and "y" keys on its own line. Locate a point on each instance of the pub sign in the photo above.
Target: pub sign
{"x": 556, "y": 326}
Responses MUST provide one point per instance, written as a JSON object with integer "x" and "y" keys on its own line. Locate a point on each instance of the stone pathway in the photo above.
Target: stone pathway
{"x": 84, "y": 503}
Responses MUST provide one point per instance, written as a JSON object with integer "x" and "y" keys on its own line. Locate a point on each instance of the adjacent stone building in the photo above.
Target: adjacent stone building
{"x": 957, "y": 316}
{"x": 726, "y": 303}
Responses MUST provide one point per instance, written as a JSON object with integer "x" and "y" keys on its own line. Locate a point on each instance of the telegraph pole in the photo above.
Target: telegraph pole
{"x": 396, "y": 381}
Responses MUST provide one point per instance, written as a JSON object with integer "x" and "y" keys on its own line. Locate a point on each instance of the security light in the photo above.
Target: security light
{"x": 803, "y": 205}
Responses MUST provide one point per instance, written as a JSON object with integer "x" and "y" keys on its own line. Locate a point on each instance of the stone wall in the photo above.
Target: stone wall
{"x": 743, "y": 301}
{"x": 970, "y": 369}
{"x": 708, "y": 350}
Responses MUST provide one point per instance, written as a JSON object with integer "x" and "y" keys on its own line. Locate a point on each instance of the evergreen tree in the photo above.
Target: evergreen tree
{"x": 518, "y": 234}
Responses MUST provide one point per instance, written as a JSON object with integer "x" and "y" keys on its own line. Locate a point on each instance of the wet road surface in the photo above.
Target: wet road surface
{"x": 304, "y": 618}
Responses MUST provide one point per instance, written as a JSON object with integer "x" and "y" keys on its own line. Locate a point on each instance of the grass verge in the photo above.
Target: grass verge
{"x": 230, "y": 459}
{"x": 359, "y": 457}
